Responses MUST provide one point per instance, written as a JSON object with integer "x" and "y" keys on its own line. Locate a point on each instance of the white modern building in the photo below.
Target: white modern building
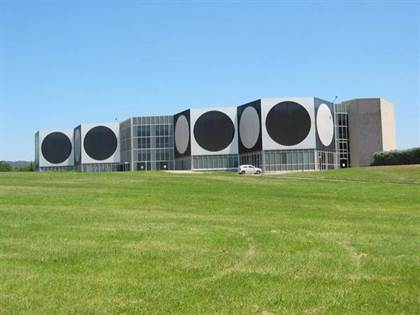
{"x": 275, "y": 134}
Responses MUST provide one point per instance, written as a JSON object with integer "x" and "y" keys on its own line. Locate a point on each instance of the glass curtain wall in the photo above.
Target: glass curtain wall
{"x": 100, "y": 167}
{"x": 342, "y": 135}
{"x": 56, "y": 168}
{"x": 183, "y": 163}
{"x": 215, "y": 162}
{"x": 289, "y": 160}
{"x": 153, "y": 143}
{"x": 253, "y": 158}
{"x": 327, "y": 160}
{"x": 125, "y": 144}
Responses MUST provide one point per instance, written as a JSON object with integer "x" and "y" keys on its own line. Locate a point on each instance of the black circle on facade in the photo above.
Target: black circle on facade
{"x": 56, "y": 147}
{"x": 100, "y": 143}
{"x": 288, "y": 123}
{"x": 214, "y": 131}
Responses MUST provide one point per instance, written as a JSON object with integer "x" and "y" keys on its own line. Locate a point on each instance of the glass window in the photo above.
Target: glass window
{"x": 277, "y": 158}
{"x": 300, "y": 159}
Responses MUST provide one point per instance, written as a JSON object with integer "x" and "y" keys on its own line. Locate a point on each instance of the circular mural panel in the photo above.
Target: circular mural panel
{"x": 77, "y": 144}
{"x": 100, "y": 143}
{"x": 288, "y": 123}
{"x": 182, "y": 134}
{"x": 214, "y": 131}
{"x": 56, "y": 147}
{"x": 249, "y": 127}
{"x": 325, "y": 124}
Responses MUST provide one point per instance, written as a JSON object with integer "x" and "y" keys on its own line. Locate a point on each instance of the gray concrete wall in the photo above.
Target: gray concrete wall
{"x": 371, "y": 129}
{"x": 389, "y": 141}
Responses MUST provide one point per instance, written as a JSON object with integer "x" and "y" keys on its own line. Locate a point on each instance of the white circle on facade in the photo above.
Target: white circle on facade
{"x": 325, "y": 125}
{"x": 249, "y": 127}
{"x": 182, "y": 134}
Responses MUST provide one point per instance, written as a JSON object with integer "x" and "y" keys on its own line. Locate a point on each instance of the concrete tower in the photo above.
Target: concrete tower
{"x": 371, "y": 128}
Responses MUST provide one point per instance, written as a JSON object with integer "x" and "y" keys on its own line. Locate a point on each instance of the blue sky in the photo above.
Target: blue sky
{"x": 66, "y": 62}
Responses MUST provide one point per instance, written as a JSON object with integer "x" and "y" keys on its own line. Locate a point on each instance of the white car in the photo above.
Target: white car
{"x": 249, "y": 169}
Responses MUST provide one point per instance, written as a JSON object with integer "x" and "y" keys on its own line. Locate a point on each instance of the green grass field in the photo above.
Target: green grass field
{"x": 338, "y": 242}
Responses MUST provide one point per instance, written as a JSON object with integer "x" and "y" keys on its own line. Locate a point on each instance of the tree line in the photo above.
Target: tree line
{"x": 7, "y": 167}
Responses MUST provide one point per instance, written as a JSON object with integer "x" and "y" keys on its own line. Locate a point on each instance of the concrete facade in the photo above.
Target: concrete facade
{"x": 371, "y": 129}
{"x": 389, "y": 141}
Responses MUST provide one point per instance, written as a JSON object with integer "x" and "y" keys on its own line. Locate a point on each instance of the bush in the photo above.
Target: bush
{"x": 26, "y": 168}
{"x": 397, "y": 157}
{"x": 5, "y": 167}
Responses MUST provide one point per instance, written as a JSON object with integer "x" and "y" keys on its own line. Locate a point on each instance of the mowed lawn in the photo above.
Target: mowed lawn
{"x": 338, "y": 242}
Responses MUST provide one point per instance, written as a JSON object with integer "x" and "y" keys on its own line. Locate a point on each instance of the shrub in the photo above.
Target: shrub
{"x": 26, "y": 168}
{"x": 5, "y": 167}
{"x": 397, "y": 157}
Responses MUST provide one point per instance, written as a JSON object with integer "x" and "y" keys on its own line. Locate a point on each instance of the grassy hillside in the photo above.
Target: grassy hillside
{"x": 339, "y": 242}
{"x": 404, "y": 174}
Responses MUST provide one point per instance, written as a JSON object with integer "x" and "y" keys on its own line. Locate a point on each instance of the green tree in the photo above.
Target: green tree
{"x": 5, "y": 167}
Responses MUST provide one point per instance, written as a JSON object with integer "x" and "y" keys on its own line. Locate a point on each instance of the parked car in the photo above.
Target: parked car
{"x": 249, "y": 169}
